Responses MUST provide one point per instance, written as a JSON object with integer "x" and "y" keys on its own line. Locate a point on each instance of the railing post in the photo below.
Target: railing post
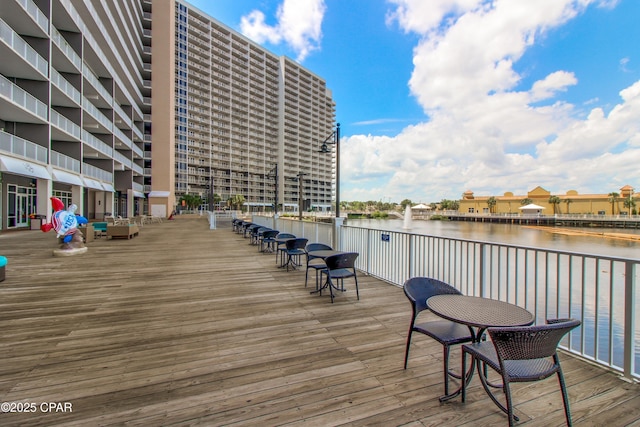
{"x": 411, "y": 251}
{"x": 369, "y": 231}
{"x": 337, "y": 230}
{"x": 629, "y": 319}
{"x": 481, "y": 286}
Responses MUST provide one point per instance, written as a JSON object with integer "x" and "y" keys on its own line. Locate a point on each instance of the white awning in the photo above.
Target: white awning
{"x": 108, "y": 187}
{"x": 23, "y": 167}
{"x": 531, "y": 206}
{"x": 67, "y": 178}
{"x": 138, "y": 194}
{"x": 256, "y": 204}
{"x": 421, "y": 206}
{"x": 92, "y": 183}
{"x": 159, "y": 194}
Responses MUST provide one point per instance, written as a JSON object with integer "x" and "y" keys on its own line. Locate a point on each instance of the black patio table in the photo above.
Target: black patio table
{"x": 278, "y": 242}
{"x": 324, "y": 254}
{"x": 478, "y": 314}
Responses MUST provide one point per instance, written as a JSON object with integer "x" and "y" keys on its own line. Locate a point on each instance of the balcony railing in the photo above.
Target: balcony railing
{"x": 65, "y": 162}
{"x": 599, "y": 290}
{"x": 22, "y": 48}
{"x": 21, "y": 147}
{"x": 20, "y": 97}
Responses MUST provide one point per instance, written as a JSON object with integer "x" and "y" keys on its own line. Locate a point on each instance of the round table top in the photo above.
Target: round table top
{"x": 324, "y": 253}
{"x": 479, "y": 312}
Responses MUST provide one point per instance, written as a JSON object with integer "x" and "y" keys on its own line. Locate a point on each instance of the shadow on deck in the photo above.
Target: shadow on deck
{"x": 186, "y": 325}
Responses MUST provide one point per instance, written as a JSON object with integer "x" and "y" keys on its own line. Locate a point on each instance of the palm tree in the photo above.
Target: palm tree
{"x": 554, "y": 201}
{"x": 191, "y": 201}
{"x": 525, "y": 202}
{"x": 613, "y": 199}
{"x": 491, "y": 202}
{"x": 405, "y": 203}
{"x": 239, "y": 201}
{"x": 630, "y": 204}
{"x": 568, "y": 202}
{"x": 236, "y": 201}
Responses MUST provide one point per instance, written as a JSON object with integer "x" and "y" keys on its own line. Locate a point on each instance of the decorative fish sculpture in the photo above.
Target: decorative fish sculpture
{"x": 64, "y": 222}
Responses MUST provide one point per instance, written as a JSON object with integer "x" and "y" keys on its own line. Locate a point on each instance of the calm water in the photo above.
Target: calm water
{"x": 514, "y": 234}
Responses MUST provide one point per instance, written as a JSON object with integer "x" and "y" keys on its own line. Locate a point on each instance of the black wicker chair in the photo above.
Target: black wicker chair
{"x": 295, "y": 249}
{"x": 248, "y": 230}
{"x": 268, "y": 240}
{"x": 256, "y": 235}
{"x": 339, "y": 267}
{"x": 314, "y": 262}
{"x": 521, "y": 354}
{"x": 242, "y": 227}
{"x": 418, "y": 290}
{"x": 281, "y": 246}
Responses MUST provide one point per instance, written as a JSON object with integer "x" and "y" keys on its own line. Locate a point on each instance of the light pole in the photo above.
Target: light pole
{"x": 273, "y": 173}
{"x": 300, "y": 194}
{"x": 324, "y": 148}
{"x": 210, "y": 200}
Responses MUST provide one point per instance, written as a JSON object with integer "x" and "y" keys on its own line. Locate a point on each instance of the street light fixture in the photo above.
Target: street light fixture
{"x": 324, "y": 148}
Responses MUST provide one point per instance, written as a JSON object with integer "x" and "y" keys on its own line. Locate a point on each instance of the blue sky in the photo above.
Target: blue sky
{"x": 442, "y": 96}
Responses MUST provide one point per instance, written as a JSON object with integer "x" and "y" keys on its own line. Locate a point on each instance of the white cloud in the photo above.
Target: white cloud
{"x": 623, "y": 65}
{"x": 554, "y": 82}
{"x": 299, "y": 26}
{"x": 486, "y": 132}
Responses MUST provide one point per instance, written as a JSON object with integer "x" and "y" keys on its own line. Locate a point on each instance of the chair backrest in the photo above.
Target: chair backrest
{"x": 420, "y": 289}
{"x": 343, "y": 260}
{"x": 530, "y": 342}
{"x": 285, "y": 236}
{"x": 298, "y": 243}
{"x": 270, "y": 234}
{"x": 258, "y": 230}
{"x": 318, "y": 247}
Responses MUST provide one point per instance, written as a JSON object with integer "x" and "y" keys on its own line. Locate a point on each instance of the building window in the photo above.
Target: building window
{"x": 21, "y": 204}
{"x": 64, "y": 196}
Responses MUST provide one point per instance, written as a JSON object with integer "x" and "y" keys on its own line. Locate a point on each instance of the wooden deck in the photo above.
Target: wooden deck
{"x": 183, "y": 325}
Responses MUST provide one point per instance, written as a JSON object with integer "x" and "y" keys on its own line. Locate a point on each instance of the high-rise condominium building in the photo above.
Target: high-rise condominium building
{"x": 122, "y": 107}
{"x": 242, "y": 117}
{"x": 74, "y": 88}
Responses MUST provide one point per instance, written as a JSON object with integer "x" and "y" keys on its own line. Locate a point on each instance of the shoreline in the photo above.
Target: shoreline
{"x": 572, "y": 232}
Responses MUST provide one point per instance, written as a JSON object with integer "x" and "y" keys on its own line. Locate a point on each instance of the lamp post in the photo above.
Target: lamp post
{"x": 324, "y": 148}
{"x": 298, "y": 179}
{"x": 273, "y": 173}
{"x": 300, "y": 194}
{"x": 210, "y": 201}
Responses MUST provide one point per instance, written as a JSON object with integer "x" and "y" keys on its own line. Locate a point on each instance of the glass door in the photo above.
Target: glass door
{"x": 22, "y": 213}
{"x": 22, "y": 202}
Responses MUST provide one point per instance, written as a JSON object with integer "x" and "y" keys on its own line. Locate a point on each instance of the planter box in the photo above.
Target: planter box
{"x": 122, "y": 231}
